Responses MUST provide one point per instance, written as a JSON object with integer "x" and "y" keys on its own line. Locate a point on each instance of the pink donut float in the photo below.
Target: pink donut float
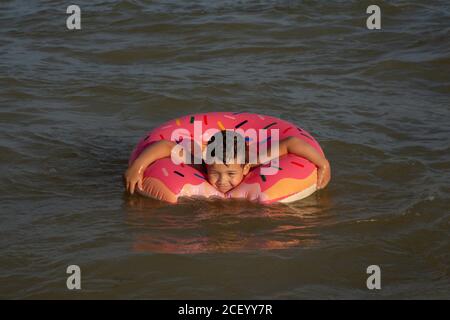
{"x": 295, "y": 177}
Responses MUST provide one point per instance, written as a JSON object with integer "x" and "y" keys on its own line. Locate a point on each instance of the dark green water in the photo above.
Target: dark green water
{"x": 74, "y": 103}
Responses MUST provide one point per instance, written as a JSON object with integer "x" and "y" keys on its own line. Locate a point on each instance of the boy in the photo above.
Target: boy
{"x": 225, "y": 174}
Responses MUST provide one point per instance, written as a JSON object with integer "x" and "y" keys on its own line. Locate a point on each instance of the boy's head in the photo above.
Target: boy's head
{"x": 230, "y": 163}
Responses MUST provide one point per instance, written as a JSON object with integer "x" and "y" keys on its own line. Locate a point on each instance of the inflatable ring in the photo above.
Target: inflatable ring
{"x": 295, "y": 178}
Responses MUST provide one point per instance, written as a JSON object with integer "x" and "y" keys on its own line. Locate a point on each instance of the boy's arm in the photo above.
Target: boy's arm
{"x": 134, "y": 174}
{"x": 300, "y": 148}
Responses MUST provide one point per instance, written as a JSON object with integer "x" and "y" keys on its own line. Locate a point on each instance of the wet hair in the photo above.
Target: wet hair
{"x": 229, "y": 137}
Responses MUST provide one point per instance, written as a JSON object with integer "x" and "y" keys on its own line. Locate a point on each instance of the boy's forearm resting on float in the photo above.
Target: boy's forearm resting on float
{"x": 158, "y": 150}
{"x": 134, "y": 174}
{"x": 300, "y": 148}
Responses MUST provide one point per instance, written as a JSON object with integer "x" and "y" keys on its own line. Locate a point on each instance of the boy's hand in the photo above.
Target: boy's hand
{"x": 132, "y": 177}
{"x": 323, "y": 175}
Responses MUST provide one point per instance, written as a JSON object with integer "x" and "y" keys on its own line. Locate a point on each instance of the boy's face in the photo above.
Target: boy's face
{"x": 225, "y": 177}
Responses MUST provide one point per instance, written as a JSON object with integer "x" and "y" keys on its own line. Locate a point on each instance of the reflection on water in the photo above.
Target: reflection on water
{"x": 217, "y": 226}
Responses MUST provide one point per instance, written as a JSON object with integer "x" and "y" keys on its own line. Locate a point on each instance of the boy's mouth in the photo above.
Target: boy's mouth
{"x": 223, "y": 189}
